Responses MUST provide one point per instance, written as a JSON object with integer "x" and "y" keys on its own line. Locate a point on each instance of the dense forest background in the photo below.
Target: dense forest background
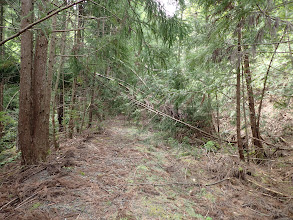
{"x": 216, "y": 72}
{"x": 207, "y": 85}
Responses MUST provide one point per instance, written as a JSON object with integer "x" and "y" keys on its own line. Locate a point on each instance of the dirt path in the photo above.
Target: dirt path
{"x": 123, "y": 173}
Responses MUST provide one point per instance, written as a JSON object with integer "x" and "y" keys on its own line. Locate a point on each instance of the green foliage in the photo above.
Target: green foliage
{"x": 8, "y": 156}
{"x": 9, "y": 71}
{"x": 36, "y": 206}
{"x": 211, "y": 146}
{"x": 9, "y": 131}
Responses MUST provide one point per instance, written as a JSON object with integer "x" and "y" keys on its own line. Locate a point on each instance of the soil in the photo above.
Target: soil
{"x": 123, "y": 172}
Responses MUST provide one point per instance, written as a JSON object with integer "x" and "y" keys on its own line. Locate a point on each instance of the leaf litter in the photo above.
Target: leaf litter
{"x": 120, "y": 174}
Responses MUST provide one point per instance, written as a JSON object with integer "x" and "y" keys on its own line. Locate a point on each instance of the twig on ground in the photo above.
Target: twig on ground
{"x": 271, "y": 191}
{"x": 28, "y": 199}
{"x": 260, "y": 213}
{"x": 8, "y": 203}
{"x": 180, "y": 183}
{"x": 211, "y": 184}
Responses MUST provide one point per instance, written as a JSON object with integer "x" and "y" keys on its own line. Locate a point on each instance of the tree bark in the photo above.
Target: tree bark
{"x": 25, "y": 126}
{"x": 35, "y": 89}
{"x": 41, "y": 98}
{"x": 254, "y": 128}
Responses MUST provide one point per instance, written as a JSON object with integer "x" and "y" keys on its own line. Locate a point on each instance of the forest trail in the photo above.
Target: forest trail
{"x": 122, "y": 172}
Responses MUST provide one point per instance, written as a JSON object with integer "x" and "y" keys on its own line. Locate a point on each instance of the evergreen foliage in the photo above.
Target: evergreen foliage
{"x": 183, "y": 65}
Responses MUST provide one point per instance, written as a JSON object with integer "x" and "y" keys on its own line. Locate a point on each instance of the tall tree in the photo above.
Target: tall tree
{"x": 33, "y": 124}
{"x": 25, "y": 126}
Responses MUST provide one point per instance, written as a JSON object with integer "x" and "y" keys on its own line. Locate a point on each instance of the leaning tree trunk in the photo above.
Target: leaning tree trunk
{"x": 253, "y": 123}
{"x": 266, "y": 78}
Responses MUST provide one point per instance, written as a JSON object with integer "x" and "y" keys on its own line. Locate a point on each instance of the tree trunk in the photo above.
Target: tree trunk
{"x": 254, "y": 128}
{"x": 91, "y": 110}
{"x": 41, "y": 97}
{"x": 55, "y": 92}
{"x": 60, "y": 110}
{"x": 71, "y": 112}
{"x": 34, "y": 99}
{"x": 25, "y": 126}
{"x": 1, "y": 105}
{"x": 50, "y": 77}
{"x": 266, "y": 78}
{"x": 1, "y": 57}
{"x": 244, "y": 115}
{"x": 238, "y": 99}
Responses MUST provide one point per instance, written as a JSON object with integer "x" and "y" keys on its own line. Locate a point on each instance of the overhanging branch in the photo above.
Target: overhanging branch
{"x": 39, "y": 21}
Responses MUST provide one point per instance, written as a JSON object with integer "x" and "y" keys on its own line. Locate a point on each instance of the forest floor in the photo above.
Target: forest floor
{"x": 123, "y": 172}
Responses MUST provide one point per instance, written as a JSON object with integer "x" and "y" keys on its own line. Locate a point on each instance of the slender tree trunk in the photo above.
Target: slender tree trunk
{"x": 76, "y": 49}
{"x": 78, "y": 107}
{"x": 238, "y": 99}
{"x": 218, "y": 113}
{"x": 254, "y": 129}
{"x": 55, "y": 92}
{"x": 1, "y": 105}
{"x": 50, "y": 77}
{"x": 71, "y": 112}
{"x": 91, "y": 110}
{"x": 290, "y": 50}
{"x": 244, "y": 115}
{"x": 25, "y": 126}
{"x": 60, "y": 110}
{"x": 1, "y": 27}
{"x": 85, "y": 109}
{"x": 1, "y": 57}
{"x": 266, "y": 78}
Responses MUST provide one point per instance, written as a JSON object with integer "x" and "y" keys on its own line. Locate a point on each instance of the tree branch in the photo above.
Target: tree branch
{"x": 39, "y": 21}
